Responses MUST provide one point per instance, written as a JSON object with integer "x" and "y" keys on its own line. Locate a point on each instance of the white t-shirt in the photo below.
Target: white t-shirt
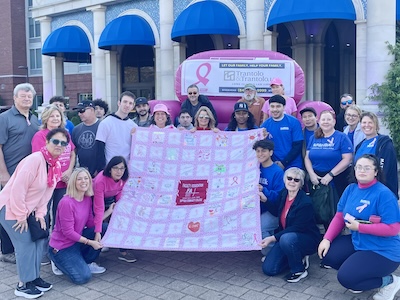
{"x": 115, "y": 133}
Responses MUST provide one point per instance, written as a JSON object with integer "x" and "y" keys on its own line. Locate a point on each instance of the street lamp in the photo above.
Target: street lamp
{"x": 27, "y": 71}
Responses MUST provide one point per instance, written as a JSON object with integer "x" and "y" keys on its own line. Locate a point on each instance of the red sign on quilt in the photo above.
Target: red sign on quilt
{"x": 191, "y": 192}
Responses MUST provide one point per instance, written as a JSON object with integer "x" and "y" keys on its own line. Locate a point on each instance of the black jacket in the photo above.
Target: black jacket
{"x": 300, "y": 217}
{"x": 204, "y": 101}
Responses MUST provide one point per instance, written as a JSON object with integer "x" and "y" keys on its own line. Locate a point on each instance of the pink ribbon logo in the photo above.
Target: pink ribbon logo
{"x": 203, "y": 79}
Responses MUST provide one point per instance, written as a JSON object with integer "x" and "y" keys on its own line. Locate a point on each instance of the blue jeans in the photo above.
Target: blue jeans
{"x": 268, "y": 225}
{"x": 289, "y": 252}
{"x": 73, "y": 261}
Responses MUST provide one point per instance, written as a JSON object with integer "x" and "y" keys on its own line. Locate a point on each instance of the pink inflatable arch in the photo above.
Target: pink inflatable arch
{"x": 224, "y": 104}
{"x": 317, "y": 105}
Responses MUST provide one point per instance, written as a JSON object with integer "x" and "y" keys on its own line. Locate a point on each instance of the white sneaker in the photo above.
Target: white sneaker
{"x": 55, "y": 270}
{"x": 388, "y": 292}
{"x": 105, "y": 249}
{"x": 263, "y": 258}
{"x": 96, "y": 269}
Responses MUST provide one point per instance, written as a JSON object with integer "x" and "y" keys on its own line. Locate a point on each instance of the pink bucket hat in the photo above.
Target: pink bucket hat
{"x": 276, "y": 81}
{"x": 160, "y": 107}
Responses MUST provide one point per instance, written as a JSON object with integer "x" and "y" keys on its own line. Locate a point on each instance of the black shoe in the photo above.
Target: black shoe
{"x": 28, "y": 291}
{"x": 42, "y": 285}
{"x": 296, "y": 277}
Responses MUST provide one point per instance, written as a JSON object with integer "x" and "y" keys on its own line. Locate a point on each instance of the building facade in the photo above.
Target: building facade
{"x": 97, "y": 49}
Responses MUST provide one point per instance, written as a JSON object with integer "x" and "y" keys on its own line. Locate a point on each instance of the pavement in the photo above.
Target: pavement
{"x": 187, "y": 276}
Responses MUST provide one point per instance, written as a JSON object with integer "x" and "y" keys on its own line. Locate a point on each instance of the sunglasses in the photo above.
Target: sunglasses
{"x": 58, "y": 142}
{"x": 289, "y": 178}
{"x": 192, "y": 93}
{"x": 347, "y": 102}
{"x": 82, "y": 110}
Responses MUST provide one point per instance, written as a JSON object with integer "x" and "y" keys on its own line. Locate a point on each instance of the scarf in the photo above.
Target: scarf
{"x": 54, "y": 167}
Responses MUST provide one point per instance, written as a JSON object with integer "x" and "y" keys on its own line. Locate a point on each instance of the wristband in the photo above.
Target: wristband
{"x": 331, "y": 174}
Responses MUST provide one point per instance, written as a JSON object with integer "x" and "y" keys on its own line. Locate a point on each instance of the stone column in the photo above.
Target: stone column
{"x": 167, "y": 72}
{"x": 57, "y": 72}
{"x": 255, "y": 24}
{"x": 179, "y": 56}
{"x": 45, "y": 30}
{"x": 98, "y": 57}
{"x": 361, "y": 61}
{"x": 111, "y": 79}
{"x": 270, "y": 40}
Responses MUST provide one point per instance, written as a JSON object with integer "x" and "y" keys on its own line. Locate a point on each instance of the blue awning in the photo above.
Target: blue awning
{"x": 71, "y": 42}
{"x": 205, "y": 17}
{"x": 127, "y": 30}
{"x": 397, "y": 10}
{"x": 295, "y": 10}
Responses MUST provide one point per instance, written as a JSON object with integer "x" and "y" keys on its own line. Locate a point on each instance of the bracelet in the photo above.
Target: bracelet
{"x": 331, "y": 174}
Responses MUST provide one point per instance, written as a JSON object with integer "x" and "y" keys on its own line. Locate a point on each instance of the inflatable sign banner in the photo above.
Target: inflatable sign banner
{"x": 189, "y": 192}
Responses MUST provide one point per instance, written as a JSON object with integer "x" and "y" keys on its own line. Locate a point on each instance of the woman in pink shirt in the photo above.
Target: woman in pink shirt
{"x": 53, "y": 118}
{"x": 29, "y": 190}
{"x": 108, "y": 185}
{"x": 73, "y": 247}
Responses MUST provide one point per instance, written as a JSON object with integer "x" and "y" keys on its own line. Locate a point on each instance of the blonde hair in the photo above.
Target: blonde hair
{"x": 71, "y": 187}
{"x": 355, "y": 108}
{"x": 47, "y": 113}
{"x": 211, "y": 121}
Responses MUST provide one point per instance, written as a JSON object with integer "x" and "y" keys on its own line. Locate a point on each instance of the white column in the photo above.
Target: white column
{"x": 242, "y": 41}
{"x": 98, "y": 58}
{"x": 255, "y": 24}
{"x": 157, "y": 66}
{"x": 111, "y": 79}
{"x": 167, "y": 72}
{"x": 57, "y": 78}
{"x": 299, "y": 53}
{"x": 179, "y": 56}
{"x": 318, "y": 71}
{"x": 45, "y": 30}
{"x": 310, "y": 71}
{"x": 361, "y": 61}
{"x": 270, "y": 40}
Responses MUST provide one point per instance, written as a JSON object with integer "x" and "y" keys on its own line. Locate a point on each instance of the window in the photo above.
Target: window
{"x": 30, "y": 3}
{"x": 35, "y": 58}
{"x": 84, "y": 96}
{"x": 34, "y": 28}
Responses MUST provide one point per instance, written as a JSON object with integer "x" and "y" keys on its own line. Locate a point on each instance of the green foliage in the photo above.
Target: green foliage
{"x": 388, "y": 93}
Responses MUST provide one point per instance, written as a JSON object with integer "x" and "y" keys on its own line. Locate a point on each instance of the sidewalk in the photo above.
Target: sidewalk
{"x": 187, "y": 276}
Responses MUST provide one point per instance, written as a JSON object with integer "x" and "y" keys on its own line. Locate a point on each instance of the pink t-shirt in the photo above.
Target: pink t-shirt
{"x": 290, "y": 106}
{"x": 71, "y": 218}
{"x": 39, "y": 140}
{"x": 104, "y": 187}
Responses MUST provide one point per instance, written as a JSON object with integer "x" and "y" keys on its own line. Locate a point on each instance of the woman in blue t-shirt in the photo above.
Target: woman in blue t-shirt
{"x": 367, "y": 257}
{"x": 329, "y": 154}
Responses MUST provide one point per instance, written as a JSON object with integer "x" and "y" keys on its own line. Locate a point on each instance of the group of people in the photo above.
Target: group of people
{"x": 39, "y": 174}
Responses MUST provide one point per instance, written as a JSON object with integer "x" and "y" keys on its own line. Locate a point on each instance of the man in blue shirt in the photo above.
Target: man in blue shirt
{"x": 285, "y": 131}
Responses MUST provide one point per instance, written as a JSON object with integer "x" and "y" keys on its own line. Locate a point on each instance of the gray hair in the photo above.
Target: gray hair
{"x": 27, "y": 87}
{"x": 298, "y": 172}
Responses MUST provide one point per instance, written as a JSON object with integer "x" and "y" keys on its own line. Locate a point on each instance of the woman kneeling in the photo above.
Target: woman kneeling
{"x": 73, "y": 249}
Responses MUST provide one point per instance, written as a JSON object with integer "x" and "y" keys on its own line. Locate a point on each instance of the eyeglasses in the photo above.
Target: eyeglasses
{"x": 204, "y": 117}
{"x": 352, "y": 116}
{"x": 192, "y": 93}
{"x": 347, "y": 102}
{"x": 58, "y": 142}
{"x": 289, "y": 178}
{"x": 122, "y": 169}
{"x": 363, "y": 168}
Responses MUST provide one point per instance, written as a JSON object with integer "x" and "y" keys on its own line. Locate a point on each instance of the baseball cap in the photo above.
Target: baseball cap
{"x": 241, "y": 106}
{"x": 161, "y": 107}
{"x": 310, "y": 109}
{"x": 276, "y": 81}
{"x": 250, "y": 86}
{"x": 84, "y": 104}
{"x": 141, "y": 100}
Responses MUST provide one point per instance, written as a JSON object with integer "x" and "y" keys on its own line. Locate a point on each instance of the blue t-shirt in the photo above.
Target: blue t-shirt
{"x": 350, "y": 135}
{"x": 271, "y": 178}
{"x": 307, "y": 135}
{"x": 366, "y": 147}
{"x": 325, "y": 153}
{"x": 375, "y": 200}
{"x": 284, "y": 133}
{"x": 242, "y": 129}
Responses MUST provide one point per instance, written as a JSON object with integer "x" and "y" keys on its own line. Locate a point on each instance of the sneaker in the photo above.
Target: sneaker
{"x": 45, "y": 261}
{"x": 28, "y": 291}
{"x": 128, "y": 257}
{"x": 306, "y": 262}
{"x": 10, "y": 258}
{"x": 263, "y": 258}
{"x": 388, "y": 292}
{"x": 105, "y": 249}
{"x": 96, "y": 269}
{"x": 325, "y": 266}
{"x": 42, "y": 285}
{"x": 354, "y": 291}
{"x": 55, "y": 270}
{"x": 296, "y": 277}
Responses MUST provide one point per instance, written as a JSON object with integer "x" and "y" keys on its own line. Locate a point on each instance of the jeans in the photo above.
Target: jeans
{"x": 268, "y": 225}
{"x": 289, "y": 252}
{"x": 357, "y": 270}
{"x": 73, "y": 261}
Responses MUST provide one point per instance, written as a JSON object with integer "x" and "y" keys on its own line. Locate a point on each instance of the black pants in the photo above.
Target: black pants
{"x": 6, "y": 244}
